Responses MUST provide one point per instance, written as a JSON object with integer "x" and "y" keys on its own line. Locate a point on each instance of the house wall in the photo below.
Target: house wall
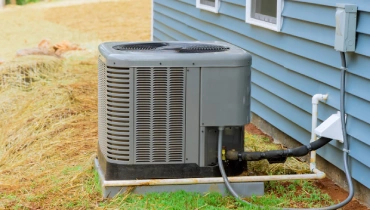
{"x": 290, "y": 66}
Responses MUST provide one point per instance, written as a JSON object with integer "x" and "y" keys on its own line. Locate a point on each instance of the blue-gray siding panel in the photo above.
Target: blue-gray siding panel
{"x": 321, "y": 15}
{"x": 162, "y": 36}
{"x": 364, "y": 47}
{"x": 297, "y": 89}
{"x": 221, "y": 25}
{"x": 311, "y": 13}
{"x": 322, "y": 34}
{"x": 233, "y": 10}
{"x": 237, "y": 2}
{"x": 298, "y": 62}
{"x": 363, "y": 5}
{"x": 288, "y": 60}
{"x": 276, "y": 99}
{"x": 314, "y": 32}
{"x": 175, "y": 33}
{"x": 290, "y": 66}
{"x": 299, "y": 80}
{"x": 358, "y": 64}
{"x": 363, "y": 22}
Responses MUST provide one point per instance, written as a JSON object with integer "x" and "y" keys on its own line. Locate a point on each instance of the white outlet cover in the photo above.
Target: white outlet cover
{"x": 331, "y": 128}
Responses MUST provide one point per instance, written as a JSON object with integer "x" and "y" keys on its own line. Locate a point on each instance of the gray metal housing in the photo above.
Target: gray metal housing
{"x": 156, "y": 107}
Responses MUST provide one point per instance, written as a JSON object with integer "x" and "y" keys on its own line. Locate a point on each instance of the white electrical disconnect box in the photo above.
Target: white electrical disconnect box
{"x": 345, "y": 30}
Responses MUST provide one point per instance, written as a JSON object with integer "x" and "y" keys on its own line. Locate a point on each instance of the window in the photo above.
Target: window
{"x": 264, "y": 13}
{"x": 210, "y": 5}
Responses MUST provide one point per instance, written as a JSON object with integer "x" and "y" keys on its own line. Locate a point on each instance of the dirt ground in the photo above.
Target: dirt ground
{"x": 326, "y": 185}
{"x": 85, "y": 24}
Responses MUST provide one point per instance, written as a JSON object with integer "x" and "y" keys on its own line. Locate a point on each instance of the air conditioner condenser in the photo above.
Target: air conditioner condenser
{"x": 160, "y": 106}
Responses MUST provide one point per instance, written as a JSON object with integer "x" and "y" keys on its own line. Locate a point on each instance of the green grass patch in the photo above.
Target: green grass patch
{"x": 293, "y": 194}
{"x": 172, "y": 200}
{"x": 279, "y": 195}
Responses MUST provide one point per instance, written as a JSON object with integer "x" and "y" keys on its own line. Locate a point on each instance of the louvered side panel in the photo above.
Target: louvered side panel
{"x": 143, "y": 113}
{"x": 160, "y": 115}
{"x": 102, "y": 107}
{"x": 176, "y": 114}
{"x": 119, "y": 115}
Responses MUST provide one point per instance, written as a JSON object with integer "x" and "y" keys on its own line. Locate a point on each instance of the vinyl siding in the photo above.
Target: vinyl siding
{"x": 290, "y": 66}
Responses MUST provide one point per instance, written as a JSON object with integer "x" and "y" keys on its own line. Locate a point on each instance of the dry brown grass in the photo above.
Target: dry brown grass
{"x": 48, "y": 106}
{"x": 262, "y": 167}
{"x": 115, "y": 21}
{"x": 48, "y": 136}
{"x": 87, "y": 24}
{"x": 24, "y": 71}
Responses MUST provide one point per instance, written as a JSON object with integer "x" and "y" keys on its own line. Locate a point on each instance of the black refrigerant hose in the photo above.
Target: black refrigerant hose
{"x": 345, "y": 150}
{"x": 275, "y": 154}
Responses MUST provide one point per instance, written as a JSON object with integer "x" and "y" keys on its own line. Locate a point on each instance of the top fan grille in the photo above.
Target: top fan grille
{"x": 171, "y": 47}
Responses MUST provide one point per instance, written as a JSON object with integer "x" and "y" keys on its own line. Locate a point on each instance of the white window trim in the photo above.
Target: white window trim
{"x": 271, "y": 26}
{"x": 209, "y": 8}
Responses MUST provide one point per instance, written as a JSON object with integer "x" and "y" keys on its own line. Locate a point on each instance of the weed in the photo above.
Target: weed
{"x": 71, "y": 169}
{"x": 35, "y": 198}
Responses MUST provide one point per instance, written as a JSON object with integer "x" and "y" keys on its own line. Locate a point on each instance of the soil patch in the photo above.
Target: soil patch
{"x": 338, "y": 194}
{"x": 252, "y": 129}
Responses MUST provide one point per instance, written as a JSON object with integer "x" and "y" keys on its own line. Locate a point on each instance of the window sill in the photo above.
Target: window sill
{"x": 263, "y": 24}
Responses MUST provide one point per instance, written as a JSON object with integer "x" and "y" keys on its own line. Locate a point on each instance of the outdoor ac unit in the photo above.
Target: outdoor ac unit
{"x": 161, "y": 103}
